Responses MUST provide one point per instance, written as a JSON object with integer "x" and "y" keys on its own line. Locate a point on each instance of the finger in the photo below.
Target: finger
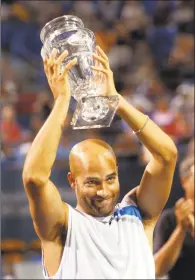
{"x": 62, "y": 57}
{"x": 103, "y": 61}
{"x": 100, "y": 69}
{"x": 187, "y": 203}
{"x": 53, "y": 54}
{"x": 183, "y": 208}
{"x": 184, "y": 216}
{"x": 179, "y": 202}
{"x": 191, "y": 220}
{"x": 45, "y": 65}
{"x": 50, "y": 63}
{"x": 71, "y": 64}
{"x": 59, "y": 60}
{"x": 186, "y": 208}
{"x": 52, "y": 57}
{"x": 102, "y": 53}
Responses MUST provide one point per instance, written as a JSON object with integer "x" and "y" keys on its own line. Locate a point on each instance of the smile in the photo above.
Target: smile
{"x": 101, "y": 200}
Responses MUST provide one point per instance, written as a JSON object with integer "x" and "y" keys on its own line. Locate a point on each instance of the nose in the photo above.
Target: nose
{"x": 102, "y": 191}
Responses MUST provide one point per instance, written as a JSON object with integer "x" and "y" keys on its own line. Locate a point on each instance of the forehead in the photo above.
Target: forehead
{"x": 97, "y": 165}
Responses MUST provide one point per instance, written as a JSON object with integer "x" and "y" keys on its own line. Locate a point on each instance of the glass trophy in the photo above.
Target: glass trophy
{"x": 94, "y": 109}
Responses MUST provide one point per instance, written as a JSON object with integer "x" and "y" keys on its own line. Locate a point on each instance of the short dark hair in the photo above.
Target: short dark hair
{"x": 184, "y": 168}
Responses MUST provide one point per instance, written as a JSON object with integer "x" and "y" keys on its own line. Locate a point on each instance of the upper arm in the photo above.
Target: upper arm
{"x": 155, "y": 187}
{"x": 48, "y": 212}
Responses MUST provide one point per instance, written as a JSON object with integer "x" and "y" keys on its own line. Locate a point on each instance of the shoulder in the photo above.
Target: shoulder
{"x": 127, "y": 210}
{"x": 130, "y": 198}
{"x": 77, "y": 218}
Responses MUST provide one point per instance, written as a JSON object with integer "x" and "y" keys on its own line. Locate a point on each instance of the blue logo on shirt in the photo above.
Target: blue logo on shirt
{"x": 127, "y": 210}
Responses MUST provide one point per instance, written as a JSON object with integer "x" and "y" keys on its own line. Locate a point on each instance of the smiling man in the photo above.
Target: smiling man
{"x": 93, "y": 163}
{"x": 100, "y": 239}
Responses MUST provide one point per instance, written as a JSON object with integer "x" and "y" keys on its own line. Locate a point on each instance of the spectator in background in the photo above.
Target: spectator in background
{"x": 121, "y": 53}
{"x": 183, "y": 16}
{"x": 164, "y": 116}
{"x": 161, "y": 36}
{"x": 42, "y": 105}
{"x": 135, "y": 19}
{"x": 10, "y": 128}
{"x": 85, "y": 10}
{"x": 190, "y": 147}
{"x": 174, "y": 246}
{"x": 9, "y": 84}
{"x": 21, "y": 39}
{"x": 171, "y": 122}
{"x": 35, "y": 125}
{"x": 183, "y": 103}
{"x": 108, "y": 11}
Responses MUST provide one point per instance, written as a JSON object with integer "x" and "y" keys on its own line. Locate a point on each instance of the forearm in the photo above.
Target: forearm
{"x": 43, "y": 151}
{"x": 153, "y": 138}
{"x": 167, "y": 256}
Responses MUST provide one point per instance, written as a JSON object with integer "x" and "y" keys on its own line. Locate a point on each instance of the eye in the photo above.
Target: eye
{"x": 110, "y": 179}
{"x": 92, "y": 183}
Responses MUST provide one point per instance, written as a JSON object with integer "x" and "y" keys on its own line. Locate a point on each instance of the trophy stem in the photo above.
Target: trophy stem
{"x": 94, "y": 112}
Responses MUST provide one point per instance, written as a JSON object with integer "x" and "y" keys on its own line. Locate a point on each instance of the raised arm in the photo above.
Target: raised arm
{"x": 155, "y": 186}
{"x": 48, "y": 212}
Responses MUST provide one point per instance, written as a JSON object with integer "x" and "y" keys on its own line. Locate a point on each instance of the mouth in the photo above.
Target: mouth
{"x": 101, "y": 198}
{"x": 101, "y": 201}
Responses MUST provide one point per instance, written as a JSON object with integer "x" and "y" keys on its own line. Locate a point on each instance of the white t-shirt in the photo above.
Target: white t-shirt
{"x": 113, "y": 247}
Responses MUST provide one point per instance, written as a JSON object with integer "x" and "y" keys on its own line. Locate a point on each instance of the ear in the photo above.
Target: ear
{"x": 71, "y": 180}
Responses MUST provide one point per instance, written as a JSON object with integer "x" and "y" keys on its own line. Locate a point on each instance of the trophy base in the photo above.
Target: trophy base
{"x": 95, "y": 112}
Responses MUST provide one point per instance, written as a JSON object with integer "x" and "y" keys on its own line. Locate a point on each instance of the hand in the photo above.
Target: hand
{"x": 184, "y": 214}
{"x": 191, "y": 221}
{"x": 58, "y": 81}
{"x": 103, "y": 59}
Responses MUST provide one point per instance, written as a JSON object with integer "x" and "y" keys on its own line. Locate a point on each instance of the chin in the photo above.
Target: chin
{"x": 99, "y": 210}
{"x": 103, "y": 212}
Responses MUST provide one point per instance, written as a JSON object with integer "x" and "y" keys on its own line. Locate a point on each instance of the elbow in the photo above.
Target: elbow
{"x": 170, "y": 154}
{"x": 32, "y": 180}
{"x": 173, "y": 153}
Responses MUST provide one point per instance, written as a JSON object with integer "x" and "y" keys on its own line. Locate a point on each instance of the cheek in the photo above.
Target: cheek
{"x": 88, "y": 192}
{"x": 114, "y": 189}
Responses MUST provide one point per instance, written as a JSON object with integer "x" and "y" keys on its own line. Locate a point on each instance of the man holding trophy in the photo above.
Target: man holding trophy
{"x": 100, "y": 239}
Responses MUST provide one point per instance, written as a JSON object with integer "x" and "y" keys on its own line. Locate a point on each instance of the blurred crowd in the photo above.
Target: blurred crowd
{"x": 150, "y": 46}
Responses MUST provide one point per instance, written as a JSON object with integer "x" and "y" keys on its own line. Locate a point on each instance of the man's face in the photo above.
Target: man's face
{"x": 97, "y": 186}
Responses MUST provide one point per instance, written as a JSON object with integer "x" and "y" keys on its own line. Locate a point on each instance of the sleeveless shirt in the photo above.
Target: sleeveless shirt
{"x": 112, "y": 247}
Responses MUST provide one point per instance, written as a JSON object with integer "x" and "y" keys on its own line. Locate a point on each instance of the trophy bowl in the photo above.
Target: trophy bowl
{"x": 94, "y": 108}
